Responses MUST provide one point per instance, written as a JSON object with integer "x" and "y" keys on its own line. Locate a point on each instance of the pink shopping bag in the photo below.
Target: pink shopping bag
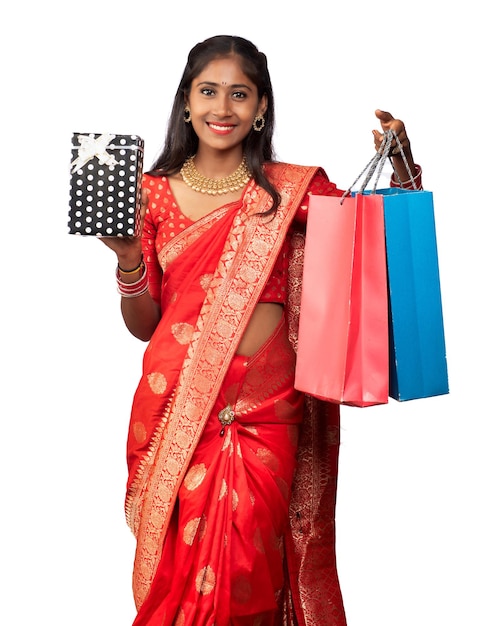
{"x": 343, "y": 345}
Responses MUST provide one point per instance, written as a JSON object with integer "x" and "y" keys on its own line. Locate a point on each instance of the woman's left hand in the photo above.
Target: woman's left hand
{"x": 388, "y": 122}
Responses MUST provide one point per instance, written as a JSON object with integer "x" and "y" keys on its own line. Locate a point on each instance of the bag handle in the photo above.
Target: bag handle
{"x": 376, "y": 165}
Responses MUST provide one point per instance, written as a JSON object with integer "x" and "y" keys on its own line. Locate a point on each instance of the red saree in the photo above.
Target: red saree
{"x": 214, "y": 437}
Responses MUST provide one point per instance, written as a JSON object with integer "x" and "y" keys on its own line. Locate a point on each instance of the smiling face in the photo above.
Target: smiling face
{"x": 223, "y": 103}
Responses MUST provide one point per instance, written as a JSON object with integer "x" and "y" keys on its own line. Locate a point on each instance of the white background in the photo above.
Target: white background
{"x": 412, "y": 497}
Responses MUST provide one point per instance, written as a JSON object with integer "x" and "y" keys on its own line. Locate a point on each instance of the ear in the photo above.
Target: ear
{"x": 262, "y": 105}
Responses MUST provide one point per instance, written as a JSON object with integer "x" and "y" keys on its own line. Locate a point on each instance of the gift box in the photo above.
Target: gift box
{"x": 105, "y": 185}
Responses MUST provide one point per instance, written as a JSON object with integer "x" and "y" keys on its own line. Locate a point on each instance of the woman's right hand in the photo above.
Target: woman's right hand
{"x": 128, "y": 249}
{"x": 141, "y": 314}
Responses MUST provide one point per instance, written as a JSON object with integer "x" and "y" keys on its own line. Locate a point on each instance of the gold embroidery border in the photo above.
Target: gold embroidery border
{"x": 183, "y": 240}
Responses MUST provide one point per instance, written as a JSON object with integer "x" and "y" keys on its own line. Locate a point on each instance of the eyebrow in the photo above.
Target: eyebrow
{"x": 235, "y": 86}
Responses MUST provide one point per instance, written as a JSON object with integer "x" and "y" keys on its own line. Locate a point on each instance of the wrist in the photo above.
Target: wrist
{"x": 134, "y": 269}
{"x": 128, "y": 261}
{"x": 405, "y": 182}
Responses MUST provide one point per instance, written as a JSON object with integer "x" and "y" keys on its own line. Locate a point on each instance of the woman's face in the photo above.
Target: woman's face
{"x": 223, "y": 103}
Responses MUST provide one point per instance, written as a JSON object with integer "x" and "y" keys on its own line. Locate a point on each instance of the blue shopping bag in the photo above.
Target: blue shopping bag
{"x": 417, "y": 353}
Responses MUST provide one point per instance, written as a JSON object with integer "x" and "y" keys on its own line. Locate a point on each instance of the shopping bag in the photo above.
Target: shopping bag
{"x": 342, "y": 353}
{"x": 417, "y": 355}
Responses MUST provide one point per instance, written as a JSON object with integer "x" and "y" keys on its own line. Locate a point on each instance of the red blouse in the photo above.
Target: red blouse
{"x": 164, "y": 219}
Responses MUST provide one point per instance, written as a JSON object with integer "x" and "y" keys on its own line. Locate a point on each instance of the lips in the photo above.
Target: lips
{"x": 221, "y": 129}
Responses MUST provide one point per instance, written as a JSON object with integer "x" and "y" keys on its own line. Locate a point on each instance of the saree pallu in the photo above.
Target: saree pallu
{"x": 214, "y": 273}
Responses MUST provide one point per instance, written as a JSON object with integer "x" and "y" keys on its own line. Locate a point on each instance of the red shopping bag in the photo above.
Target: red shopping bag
{"x": 343, "y": 344}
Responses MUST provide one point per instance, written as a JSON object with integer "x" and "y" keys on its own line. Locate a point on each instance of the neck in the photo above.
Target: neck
{"x": 217, "y": 163}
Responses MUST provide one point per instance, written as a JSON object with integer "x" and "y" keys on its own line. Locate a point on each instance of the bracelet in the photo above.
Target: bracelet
{"x": 133, "y": 290}
{"x": 408, "y": 184}
{"x": 133, "y": 271}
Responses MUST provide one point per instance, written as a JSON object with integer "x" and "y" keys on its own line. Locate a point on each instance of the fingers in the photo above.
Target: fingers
{"x": 144, "y": 203}
{"x": 383, "y": 116}
{"x": 144, "y": 196}
{"x": 389, "y": 122}
{"x": 377, "y": 139}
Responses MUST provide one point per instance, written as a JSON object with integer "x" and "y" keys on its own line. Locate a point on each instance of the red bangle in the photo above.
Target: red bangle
{"x": 133, "y": 290}
{"x": 408, "y": 184}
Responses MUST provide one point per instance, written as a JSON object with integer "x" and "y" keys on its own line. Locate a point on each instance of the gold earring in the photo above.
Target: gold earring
{"x": 187, "y": 116}
{"x": 258, "y": 123}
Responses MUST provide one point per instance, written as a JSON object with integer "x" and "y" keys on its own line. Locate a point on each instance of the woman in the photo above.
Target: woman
{"x": 232, "y": 472}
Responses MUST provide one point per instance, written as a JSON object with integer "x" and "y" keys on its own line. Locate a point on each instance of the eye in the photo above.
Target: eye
{"x": 207, "y": 91}
{"x": 239, "y": 95}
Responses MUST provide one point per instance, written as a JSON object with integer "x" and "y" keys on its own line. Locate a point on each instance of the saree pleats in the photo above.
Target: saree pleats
{"x": 223, "y": 559}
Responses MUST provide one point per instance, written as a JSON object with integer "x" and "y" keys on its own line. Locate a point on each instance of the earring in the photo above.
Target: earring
{"x": 258, "y": 123}
{"x": 187, "y": 116}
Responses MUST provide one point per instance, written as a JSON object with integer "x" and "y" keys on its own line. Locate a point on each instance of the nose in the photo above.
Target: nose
{"x": 221, "y": 106}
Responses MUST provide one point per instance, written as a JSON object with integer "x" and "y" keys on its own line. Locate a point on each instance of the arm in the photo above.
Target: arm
{"x": 141, "y": 313}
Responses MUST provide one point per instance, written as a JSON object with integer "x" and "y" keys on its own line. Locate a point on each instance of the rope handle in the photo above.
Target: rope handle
{"x": 376, "y": 165}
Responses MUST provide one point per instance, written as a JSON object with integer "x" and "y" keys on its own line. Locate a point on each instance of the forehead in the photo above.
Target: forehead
{"x": 224, "y": 71}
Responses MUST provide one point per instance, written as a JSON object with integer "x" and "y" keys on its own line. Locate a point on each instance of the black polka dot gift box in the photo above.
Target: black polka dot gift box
{"x": 105, "y": 185}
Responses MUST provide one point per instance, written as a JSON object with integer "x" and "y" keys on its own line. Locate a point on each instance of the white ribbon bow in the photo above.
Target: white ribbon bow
{"x": 90, "y": 147}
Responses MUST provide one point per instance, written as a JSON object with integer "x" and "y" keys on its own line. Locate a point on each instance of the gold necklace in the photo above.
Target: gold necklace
{"x": 214, "y": 186}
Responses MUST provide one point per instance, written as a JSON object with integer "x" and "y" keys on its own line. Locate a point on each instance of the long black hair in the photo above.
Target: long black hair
{"x": 181, "y": 140}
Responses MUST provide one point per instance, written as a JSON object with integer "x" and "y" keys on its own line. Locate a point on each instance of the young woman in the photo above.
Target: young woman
{"x": 232, "y": 472}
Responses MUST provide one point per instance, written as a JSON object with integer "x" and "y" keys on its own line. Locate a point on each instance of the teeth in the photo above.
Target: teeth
{"x": 219, "y": 127}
